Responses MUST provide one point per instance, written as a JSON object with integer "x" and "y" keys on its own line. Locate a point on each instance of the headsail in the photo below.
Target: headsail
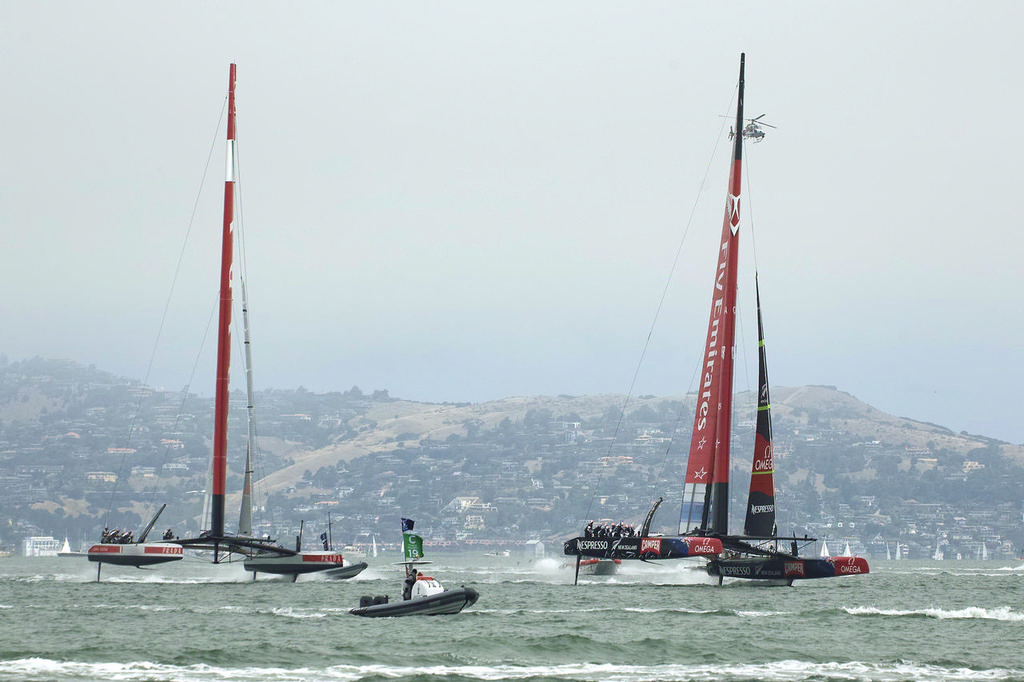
{"x": 245, "y": 511}
{"x": 760, "y": 520}
{"x": 706, "y": 486}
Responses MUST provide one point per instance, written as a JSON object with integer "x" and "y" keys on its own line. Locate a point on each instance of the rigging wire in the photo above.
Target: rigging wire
{"x": 742, "y": 343}
{"x": 163, "y": 316}
{"x": 659, "y": 471}
{"x": 660, "y": 306}
{"x": 185, "y": 395}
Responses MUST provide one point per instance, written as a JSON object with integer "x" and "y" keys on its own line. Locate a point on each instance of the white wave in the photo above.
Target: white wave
{"x": 31, "y": 669}
{"x": 547, "y": 565}
{"x": 1004, "y": 613}
{"x": 291, "y": 612}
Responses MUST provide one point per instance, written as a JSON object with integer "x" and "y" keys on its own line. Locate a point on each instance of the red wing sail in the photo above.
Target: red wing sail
{"x": 760, "y": 520}
{"x": 706, "y": 487}
{"x": 220, "y": 426}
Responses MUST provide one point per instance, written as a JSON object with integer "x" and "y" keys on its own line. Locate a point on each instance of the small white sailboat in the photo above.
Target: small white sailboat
{"x": 65, "y": 549}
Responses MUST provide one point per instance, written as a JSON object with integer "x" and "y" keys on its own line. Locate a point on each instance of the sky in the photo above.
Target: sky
{"x": 465, "y": 201}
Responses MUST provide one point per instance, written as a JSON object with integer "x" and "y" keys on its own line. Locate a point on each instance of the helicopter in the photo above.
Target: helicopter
{"x": 753, "y": 130}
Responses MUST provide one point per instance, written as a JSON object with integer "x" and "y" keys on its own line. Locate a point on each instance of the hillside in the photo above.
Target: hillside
{"x": 74, "y": 439}
{"x": 403, "y": 424}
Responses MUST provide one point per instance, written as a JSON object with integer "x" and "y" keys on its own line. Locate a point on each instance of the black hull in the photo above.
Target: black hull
{"x": 781, "y": 570}
{"x": 642, "y": 548}
{"x": 444, "y": 603}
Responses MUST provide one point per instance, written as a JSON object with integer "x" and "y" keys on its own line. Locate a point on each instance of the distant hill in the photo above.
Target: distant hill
{"x": 843, "y": 412}
{"x": 806, "y": 409}
{"x": 71, "y": 436}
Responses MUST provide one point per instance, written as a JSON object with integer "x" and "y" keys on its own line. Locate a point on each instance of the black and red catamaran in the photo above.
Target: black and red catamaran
{"x": 704, "y": 517}
{"x": 259, "y": 554}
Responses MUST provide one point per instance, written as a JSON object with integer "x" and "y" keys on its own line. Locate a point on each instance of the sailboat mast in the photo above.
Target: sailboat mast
{"x": 220, "y": 427}
{"x": 706, "y": 486}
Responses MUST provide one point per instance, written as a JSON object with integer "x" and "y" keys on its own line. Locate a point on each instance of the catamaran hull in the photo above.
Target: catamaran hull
{"x": 642, "y": 548}
{"x": 345, "y": 572}
{"x": 136, "y": 554}
{"x": 783, "y": 571}
{"x": 295, "y": 564}
{"x": 599, "y": 566}
{"x": 442, "y": 603}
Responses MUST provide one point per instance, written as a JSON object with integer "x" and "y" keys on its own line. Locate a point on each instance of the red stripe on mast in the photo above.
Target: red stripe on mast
{"x": 220, "y": 427}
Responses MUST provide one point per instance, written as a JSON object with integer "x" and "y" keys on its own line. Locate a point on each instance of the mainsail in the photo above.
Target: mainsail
{"x": 706, "y": 486}
{"x": 220, "y": 424}
{"x": 760, "y": 519}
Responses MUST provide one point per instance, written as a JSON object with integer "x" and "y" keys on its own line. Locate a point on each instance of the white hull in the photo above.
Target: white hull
{"x": 294, "y": 564}
{"x": 347, "y": 571}
{"x": 136, "y": 554}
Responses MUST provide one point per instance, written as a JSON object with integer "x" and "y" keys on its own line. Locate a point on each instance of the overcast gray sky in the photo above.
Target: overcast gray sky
{"x": 463, "y": 201}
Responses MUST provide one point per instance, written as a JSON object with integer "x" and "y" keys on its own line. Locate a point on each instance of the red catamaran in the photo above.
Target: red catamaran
{"x": 259, "y": 554}
{"x": 704, "y": 516}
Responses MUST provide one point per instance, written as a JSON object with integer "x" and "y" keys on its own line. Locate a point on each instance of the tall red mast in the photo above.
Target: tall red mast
{"x": 706, "y": 486}
{"x": 220, "y": 427}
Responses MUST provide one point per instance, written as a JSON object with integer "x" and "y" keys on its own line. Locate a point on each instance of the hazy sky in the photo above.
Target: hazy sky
{"x": 463, "y": 201}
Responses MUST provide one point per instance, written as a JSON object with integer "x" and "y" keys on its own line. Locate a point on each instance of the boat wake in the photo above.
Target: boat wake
{"x": 1003, "y": 613}
{"x": 31, "y": 669}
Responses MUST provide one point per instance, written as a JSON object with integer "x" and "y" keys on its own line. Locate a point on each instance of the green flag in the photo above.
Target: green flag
{"x": 413, "y": 546}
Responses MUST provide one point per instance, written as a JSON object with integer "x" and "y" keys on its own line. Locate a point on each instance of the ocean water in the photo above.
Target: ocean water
{"x": 195, "y": 621}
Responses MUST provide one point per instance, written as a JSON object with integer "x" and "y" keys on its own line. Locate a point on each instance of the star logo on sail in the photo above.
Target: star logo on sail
{"x": 699, "y": 475}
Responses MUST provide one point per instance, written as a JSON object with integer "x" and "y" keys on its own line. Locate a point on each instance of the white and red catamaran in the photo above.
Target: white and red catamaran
{"x": 260, "y": 555}
{"x": 704, "y": 516}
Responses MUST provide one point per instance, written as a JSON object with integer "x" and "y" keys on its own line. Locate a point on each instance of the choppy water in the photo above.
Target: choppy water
{"x": 193, "y": 621}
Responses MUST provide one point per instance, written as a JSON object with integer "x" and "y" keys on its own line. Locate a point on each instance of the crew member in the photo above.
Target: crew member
{"x": 410, "y": 580}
